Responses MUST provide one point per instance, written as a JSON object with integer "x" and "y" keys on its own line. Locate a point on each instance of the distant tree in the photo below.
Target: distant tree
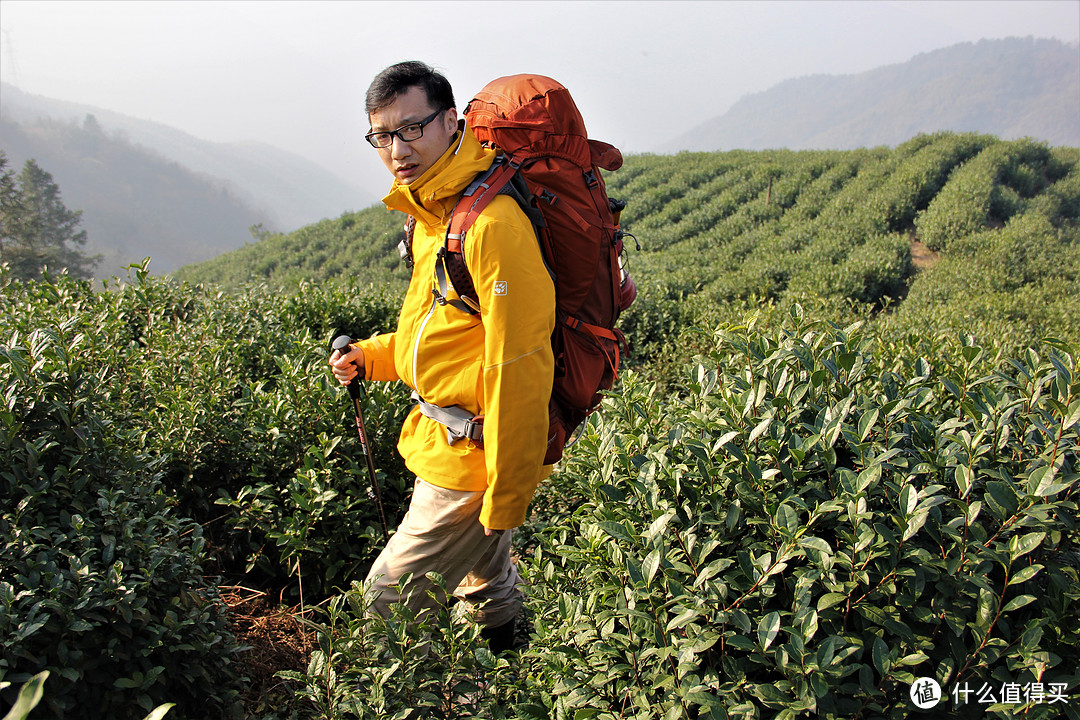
{"x": 260, "y": 232}
{"x": 36, "y": 230}
{"x": 91, "y": 124}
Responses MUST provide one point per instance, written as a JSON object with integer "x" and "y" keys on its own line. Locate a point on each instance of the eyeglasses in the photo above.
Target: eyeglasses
{"x": 407, "y": 133}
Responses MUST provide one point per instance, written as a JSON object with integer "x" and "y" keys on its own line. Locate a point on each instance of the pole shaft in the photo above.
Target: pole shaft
{"x": 366, "y": 448}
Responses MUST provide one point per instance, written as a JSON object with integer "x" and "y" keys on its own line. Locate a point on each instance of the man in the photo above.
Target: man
{"x": 468, "y": 495}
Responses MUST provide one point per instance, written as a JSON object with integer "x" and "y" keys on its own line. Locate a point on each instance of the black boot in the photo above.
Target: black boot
{"x": 499, "y": 639}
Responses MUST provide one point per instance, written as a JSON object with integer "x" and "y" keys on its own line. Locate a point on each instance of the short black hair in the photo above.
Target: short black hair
{"x": 397, "y": 79}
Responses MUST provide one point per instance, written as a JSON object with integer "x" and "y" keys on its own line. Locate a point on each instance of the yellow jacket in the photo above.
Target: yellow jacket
{"x": 498, "y": 364}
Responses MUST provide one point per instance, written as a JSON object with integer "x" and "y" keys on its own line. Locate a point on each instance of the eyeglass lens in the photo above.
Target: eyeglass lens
{"x": 407, "y": 133}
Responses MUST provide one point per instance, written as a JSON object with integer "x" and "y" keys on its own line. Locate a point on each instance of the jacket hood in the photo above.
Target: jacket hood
{"x": 431, "y": 198}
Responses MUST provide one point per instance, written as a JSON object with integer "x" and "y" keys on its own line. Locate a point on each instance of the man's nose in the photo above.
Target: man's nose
{"x": 399, "y": 148}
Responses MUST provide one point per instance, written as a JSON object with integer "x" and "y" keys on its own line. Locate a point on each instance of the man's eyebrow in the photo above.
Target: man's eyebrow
{"x": 404, "y": 124}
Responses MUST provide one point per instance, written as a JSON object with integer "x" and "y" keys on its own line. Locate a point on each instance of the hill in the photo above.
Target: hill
{"x": 360, "y": 245}
{"x": 1011, "y": 88}
{"x": 999, "y": 221}
{"x": 135, "y": 204}
{"x": 289, "y": 190}
{"x": 146, "y": 189}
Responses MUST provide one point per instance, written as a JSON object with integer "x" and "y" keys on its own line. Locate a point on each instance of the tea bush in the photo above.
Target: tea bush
{"x": 405, "y": 666}
{"x": 795, "y": 514}
{"x": 808, "y": 528}
{"x": 820, "y": 517}
{"x": 102, "y": 580}
{"x": 155, "y": 433}
{"x": 1022, "y": 281}
{"x": 988, "y": 190}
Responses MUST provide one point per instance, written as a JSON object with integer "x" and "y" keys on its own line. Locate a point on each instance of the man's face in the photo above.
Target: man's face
{"x": 407, "y": 161}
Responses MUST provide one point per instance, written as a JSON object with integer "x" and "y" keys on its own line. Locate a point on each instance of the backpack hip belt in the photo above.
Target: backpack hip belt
{"x": 459, "y": 423}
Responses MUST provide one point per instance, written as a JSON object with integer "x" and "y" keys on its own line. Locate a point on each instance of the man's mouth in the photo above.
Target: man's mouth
{"x": 405, "y": 171}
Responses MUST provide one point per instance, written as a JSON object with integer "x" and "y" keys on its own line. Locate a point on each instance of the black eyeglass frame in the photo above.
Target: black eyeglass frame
{"x": 370, "y": 137}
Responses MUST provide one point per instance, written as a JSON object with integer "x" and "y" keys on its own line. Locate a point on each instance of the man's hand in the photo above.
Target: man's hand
{"x": 345, "y": 366}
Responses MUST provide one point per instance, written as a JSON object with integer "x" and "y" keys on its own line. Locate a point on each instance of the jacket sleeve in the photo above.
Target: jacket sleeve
{"x": 379, "y": 357}
{"x": 517, "y": 301}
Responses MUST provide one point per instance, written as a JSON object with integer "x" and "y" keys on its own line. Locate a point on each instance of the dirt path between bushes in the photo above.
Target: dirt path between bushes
{"x": 275, "y": 641}
{"x": 922, "y": 257}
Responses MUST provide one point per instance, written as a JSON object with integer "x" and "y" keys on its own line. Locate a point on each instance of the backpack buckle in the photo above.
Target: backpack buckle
{"x": 459, "y": 423}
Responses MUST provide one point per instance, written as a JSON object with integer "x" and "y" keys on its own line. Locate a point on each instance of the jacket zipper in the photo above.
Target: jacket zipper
{"x": 416, "y": 347}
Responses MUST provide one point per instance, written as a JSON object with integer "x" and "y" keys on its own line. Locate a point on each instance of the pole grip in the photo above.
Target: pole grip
{"x": 341, "y": 344}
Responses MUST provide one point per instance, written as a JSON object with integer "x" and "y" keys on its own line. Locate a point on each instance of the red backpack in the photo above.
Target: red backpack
{"x": 548, "y": 164}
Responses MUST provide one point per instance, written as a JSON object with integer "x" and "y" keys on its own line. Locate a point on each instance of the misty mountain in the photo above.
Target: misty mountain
{"x": 291, "y": 190}
{"x": 260, "y": 183}
{"x": 1011, "y": 88}
{"x": 135, "y": 204}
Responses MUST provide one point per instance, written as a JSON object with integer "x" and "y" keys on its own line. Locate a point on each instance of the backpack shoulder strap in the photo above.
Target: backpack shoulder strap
{"x": 502, "y": 178}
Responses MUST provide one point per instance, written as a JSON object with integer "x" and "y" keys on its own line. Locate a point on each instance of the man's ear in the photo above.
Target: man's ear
{"x": 451, "y": 118}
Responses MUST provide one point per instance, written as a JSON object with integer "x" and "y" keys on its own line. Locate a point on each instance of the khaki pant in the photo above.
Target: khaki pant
{"x": 441, "y": 532}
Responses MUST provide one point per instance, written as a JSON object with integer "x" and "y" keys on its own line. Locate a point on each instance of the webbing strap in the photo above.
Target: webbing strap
{"x": 459, "y": 423}
{"x": 405, "y": 246}
{"x": 596, "y": 332}
{"x": 465, "y": 304}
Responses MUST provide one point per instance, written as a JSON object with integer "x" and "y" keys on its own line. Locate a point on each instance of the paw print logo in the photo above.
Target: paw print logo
{"x": 500, "y": 287}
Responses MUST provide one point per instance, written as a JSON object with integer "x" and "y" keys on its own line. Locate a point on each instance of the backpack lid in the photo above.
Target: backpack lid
{"x": 533, "y": 116}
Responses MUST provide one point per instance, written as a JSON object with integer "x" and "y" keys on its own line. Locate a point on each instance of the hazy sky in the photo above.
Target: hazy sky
{"x": 293, "y": 74}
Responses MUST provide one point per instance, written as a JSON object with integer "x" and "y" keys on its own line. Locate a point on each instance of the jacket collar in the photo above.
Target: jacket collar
{"x": 431, "y": 198}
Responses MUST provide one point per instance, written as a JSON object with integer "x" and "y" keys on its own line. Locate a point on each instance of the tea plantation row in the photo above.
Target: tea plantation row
{"x": 823, "y": 476}
{"x": 816, "y": 517}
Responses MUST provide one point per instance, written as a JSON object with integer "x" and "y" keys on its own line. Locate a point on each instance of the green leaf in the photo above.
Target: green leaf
{"x": 964, "y": 479}
{"x": 1062, "y": 370}
{"x": 867, "y": 422}
{"x": 740, "y": 642}
{"x": 1018, "y": 602}
{"x": 733, "y": 516}
{"x": 816, "y": 543}
{"x": 985, "y": 608}
{"x": 725, "y": 439}
{"x": 29, "y": 696}
{"x": 160, "y": 711}
{"x": 1025, "y": 574}
{"x": 787, "y": 518}
{"x": 650, "y": 565}
{"x": 1020, "y": 545}
{"x": 827, "y": 600}
{"x": 531, "y": 711}
{"x": 767, "y": 629}
{"x": 915, "y": 524}
{"x": 615, "y": 530}
{"x": 1073, "y": 416}
{"x": 657, "y": 527}
{"x": 916, "y": 658}
{"x": 909, "y": 498}
{"x": 703, "y": 699}
{"x": 683, "y": 618}
{"x": 1002, "y": 499}
{"x": 1039, "y": 480}
{"x": 880, "y": 653}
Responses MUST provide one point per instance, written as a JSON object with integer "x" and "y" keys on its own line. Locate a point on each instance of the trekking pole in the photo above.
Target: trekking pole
{"x": 341, "y": 344}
